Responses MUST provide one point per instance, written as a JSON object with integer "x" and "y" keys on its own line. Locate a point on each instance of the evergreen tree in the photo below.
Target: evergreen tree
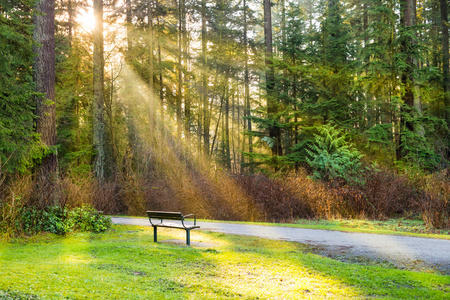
{"x": 18, "y": 142}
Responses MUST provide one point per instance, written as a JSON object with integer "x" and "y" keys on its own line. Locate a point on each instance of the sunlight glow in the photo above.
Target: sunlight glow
{"x": 170, "y": 155}
{"x": 86, "y": 19}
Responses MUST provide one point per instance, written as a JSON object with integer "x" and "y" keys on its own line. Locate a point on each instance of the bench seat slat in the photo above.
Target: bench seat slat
{"x": 165, "y": 215}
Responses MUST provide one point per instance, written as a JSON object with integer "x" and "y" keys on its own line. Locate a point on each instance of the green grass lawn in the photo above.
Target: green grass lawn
{"x": 124, "y": 263}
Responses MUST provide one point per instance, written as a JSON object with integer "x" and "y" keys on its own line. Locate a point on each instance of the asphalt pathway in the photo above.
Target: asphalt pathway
{"x": 398, "y": 249}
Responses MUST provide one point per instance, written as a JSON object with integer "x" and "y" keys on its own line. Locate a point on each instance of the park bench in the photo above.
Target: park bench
{"x": 173, "y": 216}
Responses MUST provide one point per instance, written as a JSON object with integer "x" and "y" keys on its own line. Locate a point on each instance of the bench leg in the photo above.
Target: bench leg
{"x": 188, "y": 237}
{"x": 155, "y": 234}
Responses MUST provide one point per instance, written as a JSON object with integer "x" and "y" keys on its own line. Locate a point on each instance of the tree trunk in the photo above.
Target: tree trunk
{"x": 152, "y": 101}
{"x": 180, "y": 74}
{"x": 227, "y": 125}
{"x": 205, "y": 84}
{"x": 99, "y": 132}
{"x": 129, "y": 26}
{"x": 44, "y": 77}
{"x": 185, "y": 51}
{"x": 161, "y": 84}
{"x": 445, "y": 58}
{"x": 247, "y": 84}
{"x": 70, "y": 21}
{"x": 407, "y": 10}
{"x": 274, "y": 131}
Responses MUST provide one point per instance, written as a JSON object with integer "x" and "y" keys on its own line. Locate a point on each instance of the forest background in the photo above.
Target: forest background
{"x": 232, "y": 109}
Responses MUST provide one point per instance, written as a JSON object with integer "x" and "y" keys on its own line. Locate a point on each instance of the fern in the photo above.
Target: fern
{"x": 331, "y": 157}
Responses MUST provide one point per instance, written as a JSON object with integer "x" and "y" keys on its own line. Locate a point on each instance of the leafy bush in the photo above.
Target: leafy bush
{"x": 332, "y": 158}
{"x": 86, "y": 218}
{"x": 50, "y": 220}
{"x": 60, "y": 221}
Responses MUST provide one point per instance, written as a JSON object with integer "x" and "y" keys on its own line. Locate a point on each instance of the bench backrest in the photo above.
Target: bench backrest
{"x": 165, "y": 215}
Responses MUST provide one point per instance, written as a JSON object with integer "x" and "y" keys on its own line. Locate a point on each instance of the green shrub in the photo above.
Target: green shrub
{"x": 34, "y": 220}
{"x": 86, "y": 218}
{"x": 61, "y": 220}
{"x": 332, "y": 158}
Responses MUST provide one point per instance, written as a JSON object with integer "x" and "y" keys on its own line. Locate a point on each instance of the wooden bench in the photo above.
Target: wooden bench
{"x": 174, "y": 216}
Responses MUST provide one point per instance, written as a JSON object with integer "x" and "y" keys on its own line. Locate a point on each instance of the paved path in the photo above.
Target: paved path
{"x": 400, "y": 249}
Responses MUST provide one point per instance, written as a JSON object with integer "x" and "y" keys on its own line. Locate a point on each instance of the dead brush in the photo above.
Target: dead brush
{"x": 318, "y": 201}
{"x": 76, "y": 191}
{"x": 14, "y": 197}
{"x": 133, "y": 194}
{"x": 273, "y": 200}
{"x": 108, "y": 197}
{"x": 435, "y": 200}
{"x": 388, "y": 194}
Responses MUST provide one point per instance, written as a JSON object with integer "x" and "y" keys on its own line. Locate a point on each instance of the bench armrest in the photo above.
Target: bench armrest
{"x": 190, "y": 216}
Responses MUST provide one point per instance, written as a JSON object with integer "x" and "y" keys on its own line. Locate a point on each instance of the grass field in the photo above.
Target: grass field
{"x": 124, "y": 263}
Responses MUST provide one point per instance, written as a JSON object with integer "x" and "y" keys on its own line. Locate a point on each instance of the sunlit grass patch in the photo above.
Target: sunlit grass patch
{"x": 124, "y": 263}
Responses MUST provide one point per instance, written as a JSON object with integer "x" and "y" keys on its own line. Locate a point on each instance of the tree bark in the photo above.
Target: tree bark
{"x": 44, "y": 77}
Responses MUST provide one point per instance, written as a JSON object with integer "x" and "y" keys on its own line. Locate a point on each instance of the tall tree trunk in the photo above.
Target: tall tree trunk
{"x": 407, "y": 10}
{"x": 205, "y": 101}
{"x": 180, "y": 74}
{"x": 70, "y": 21}
{"x": 44, "y": 77}
{"x": 227, "y": 124}
{"x": 161, "y": 85}
{"x": 247, "y": 84}
{"x": 185, "y": 51}
{"x": 274, "y": 131}
{"x": 445, "y": 58}
{"x": 152, "y": 101}
{"x": 129, "y": 26}
{"x": 99, "y": 132}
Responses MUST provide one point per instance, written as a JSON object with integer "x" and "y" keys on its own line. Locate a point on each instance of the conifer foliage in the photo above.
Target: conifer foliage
{"x": 18, "y": 142}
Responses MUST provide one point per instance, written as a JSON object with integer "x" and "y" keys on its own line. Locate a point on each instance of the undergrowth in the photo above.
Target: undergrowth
{"x": 379, "y": 195}
{"x": 18, "y": 216}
